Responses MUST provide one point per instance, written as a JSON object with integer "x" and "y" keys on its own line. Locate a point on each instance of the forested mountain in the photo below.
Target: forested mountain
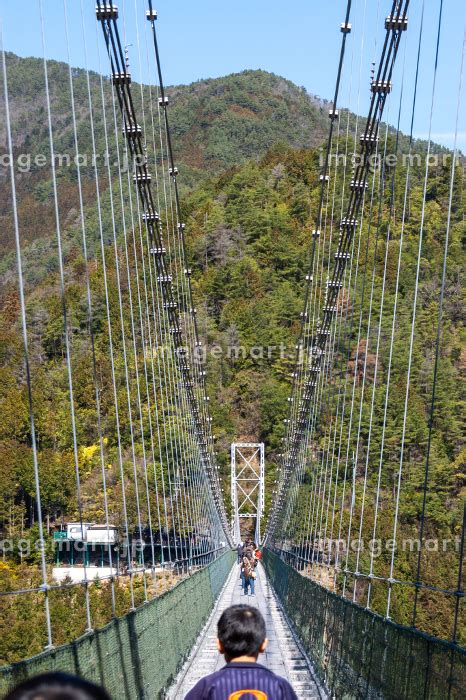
{"x": 251, "y": 235}
{"x": 248, "y": 154}
{"x": 217, "y": 123}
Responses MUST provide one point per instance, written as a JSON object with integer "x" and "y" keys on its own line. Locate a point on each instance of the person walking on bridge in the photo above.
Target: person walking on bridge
{"x": 239, "y": 551}
{"x": 248, "y": 550}
{"x": 248, "y": 574}
{"x": 241, "y": 638}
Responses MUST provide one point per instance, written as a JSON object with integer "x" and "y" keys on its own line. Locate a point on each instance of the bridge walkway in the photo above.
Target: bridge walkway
{"x": 283, "y": 655}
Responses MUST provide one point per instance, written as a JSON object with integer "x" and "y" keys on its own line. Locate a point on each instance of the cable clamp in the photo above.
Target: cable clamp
{"x": 381, "y": 86}
{"x": 106, "y": 11}
{"x": 121, "y": 78}
{"x": 151, "y": 216}
{"x": 351, "y": 223}
{"x": 368, "y": 139}
{"x": 334, "y": 284}
{"x": 158, "y": 252}
{"x": 316, "y": 350}
{"x": 133, "y": 130}
{"x": 143, "y": 176}
{"x": 396, "y": 23}
{"x": 358, "y": 185}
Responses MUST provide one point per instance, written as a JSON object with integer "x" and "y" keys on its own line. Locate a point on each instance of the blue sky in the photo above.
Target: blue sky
{"x": 299, "y": 39}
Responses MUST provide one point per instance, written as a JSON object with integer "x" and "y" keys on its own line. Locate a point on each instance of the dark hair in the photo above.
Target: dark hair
{"x": 241, "y": 630}
{"x": 57, "y": 686}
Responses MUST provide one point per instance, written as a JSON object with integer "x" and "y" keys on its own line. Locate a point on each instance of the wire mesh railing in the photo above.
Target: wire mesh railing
{"x": 359, "y": 654}
{"x": 124, "y": 655}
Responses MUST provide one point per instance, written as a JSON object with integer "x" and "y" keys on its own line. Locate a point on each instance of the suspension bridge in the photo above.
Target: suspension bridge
{"x": 118, "y": 563}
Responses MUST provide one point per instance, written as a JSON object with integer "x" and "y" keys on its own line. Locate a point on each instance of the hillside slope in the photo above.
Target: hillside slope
{"x": 216, "y": 124}
{"x": 221, "y": 122}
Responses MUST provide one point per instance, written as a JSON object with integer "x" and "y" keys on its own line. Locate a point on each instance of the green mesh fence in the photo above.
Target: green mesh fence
{"x": 357, "y": 653}
{"x": 136, "y": 656}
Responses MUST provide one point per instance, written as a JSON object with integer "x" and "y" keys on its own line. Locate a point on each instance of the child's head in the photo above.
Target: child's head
{"x": 241, "y": 632}
{"x": 57, "y": 686}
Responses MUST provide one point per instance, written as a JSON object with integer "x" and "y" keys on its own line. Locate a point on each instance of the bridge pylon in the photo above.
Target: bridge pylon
{"x": 247, "y": 486}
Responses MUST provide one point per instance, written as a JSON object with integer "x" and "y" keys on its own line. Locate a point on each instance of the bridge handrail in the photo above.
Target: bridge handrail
{"x": 359, "y": 653}
{"x": 129, "y": 646}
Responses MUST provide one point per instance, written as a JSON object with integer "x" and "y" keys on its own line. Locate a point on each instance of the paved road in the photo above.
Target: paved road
{"x": 282, "y": 656}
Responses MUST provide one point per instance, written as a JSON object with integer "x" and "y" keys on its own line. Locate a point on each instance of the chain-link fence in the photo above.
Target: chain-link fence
{"x": 137, "y": 655}
{"x": 358, "y": 653}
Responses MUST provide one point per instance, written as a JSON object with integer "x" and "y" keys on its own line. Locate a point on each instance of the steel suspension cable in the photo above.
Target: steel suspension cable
{"x": 185, "y": 278}
{"x": 64, "y": 311}
{"x": 413, "y": 321}
{"x": 163, "y": 102}
{"x": 432, "y": 406}
{"x": 116, "y": 400}
{"x": 286, "y": 470}
{"x": 398, "y": 273}
{"x": 379, "y": 337}
{"x": 90, "y": 310}
{"x": 44, "y": 588}
{"x": 380, "y": 88}
{"x": 133, "y": 132}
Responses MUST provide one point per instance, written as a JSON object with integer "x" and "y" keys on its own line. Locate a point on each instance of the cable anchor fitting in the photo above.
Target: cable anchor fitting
{"x": 395, "y": 23}
{"x": 106, "y": 11}
{"x": 383, "y": 87}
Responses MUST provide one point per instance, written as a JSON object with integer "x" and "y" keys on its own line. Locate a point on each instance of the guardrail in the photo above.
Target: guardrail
{"x": 359, "y": 654}
{"x": 137, "y": 655}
